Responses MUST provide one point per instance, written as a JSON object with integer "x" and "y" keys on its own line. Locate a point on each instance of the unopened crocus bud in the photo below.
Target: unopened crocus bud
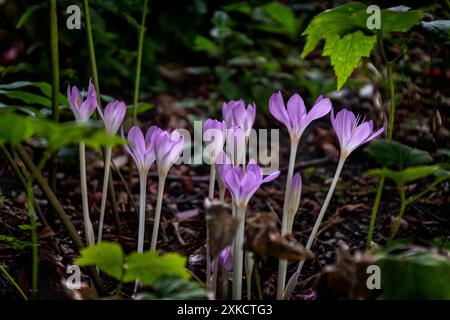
{"x": 82, "y": 110}
{"x": 168, "y": 149}
{"x": 295, "y": 192}
{"x": 226, "y": 258}
{"x": 236, "y": 114}
{"x": 113, "y": 116}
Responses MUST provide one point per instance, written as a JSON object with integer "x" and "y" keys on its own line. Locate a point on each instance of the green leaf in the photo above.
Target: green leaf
{"x": 337, "y": 21}
{"x": 204, "y": 44}
{"x": 282, "y": 16}
{"x": 107, "y": 256}
{"x": 414, "y": 273}
{"x": 28, "y": 97}
{"x": 346, "y": 53}
{"x": 439, "y": 28}
{"x": 173, "y": 288}
{"x": 141, "y": 107}
{"x": 444, "y": 152}
{"x": 398, "y": 21}
{"x": 407, "y": 175}
{"x": 27, "y": 14}
{"x": 14, "y": 128}
{"x": 148, "y": 267}
{"x": 14, "y": 243}
{"x": 394, "y": 154}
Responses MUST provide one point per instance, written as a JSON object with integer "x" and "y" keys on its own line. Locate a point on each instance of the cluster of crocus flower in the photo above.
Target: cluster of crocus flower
{"x": 240, "y": 178}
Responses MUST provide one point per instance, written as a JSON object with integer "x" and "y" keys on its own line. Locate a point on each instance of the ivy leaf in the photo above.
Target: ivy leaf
{"x": 393, "y": 153}
{"x": 346, "y": 53}
{"x": 107, "y": 256}
{"x": 148, "y": 267}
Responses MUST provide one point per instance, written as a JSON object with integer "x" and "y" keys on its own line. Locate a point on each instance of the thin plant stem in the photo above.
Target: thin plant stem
{"x": 125, "y": 185}
{"x": 215, "y": 271}
{"x": 139, "y": 61}
{"x": 282, "y": 263}
{"x": 142, "y": 202}
{"x": 249, "y": 263}
{"x": 400, "y": 213}
{"x": 258, "y": 281}
{"x": 373, "y": 217}
{"x": 55, "y": 83}
{"x": 90, "y": 39}
{"x": 88, "y": 229}
{"x": 159, "y": 199}
{"x": 212, "y": 178}
{"x": 238, "y": 254}
{"x": 112, "y": 198}
{"x": 54, "y": 202}
{"x": 13, "y": 282}
{"x": 390, "y": 78}
{"x": 293, "y": 280}
{"x": 107, "y": 166}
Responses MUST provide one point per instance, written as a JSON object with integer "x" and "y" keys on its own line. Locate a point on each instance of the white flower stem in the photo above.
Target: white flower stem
{"x": 88, "y": 229}
{"x": 238, "y": 254}
{"x": 161, "y": 182}
{"x": 142, "y": 205}
{"x": 215, "y": 270}
{"x": 249, "y": 263}
{"x": 282, "y": 263}
{"x": 107, "y": 166}
{"x": 293, "y": 280}
{"x": 212, "y": 179}
{"x": 222, "y": 188}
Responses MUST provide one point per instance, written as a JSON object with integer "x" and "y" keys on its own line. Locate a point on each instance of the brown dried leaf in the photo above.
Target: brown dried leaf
{"x": 221, "y": 225}
{"x": 264, "y": 240}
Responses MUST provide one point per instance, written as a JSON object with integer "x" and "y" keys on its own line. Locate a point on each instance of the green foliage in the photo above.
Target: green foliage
{"x": 146, "y": 267}
{"x": 438, "y": 28}
{"x": 344, "y": 30}
{"x": 15, "y": 128}
{"x": 395, "y": 154}
{"x": 414, "y": 273}
{"x": 14, "y": 243}
{"x": 173, "y": 288}
{"x": 407, "y": 175}
{"x": 108, "y": 257}
{"x": 345, "y": 53}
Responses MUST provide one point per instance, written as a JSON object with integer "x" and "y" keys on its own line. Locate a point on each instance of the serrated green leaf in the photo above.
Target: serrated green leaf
{"x": 148, "y": 267}
{"x": 107, "y": 256}
{"x": 394, "y": 154}
{"x": 346, "y": 53}
{"x": 338, "y": 21}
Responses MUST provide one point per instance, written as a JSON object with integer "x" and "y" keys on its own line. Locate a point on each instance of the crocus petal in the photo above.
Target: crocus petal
{"x": 296, "y": 110}
{"x": 271, "y": 176}
{"x": 320, "y": 109}
{"x": 278, "y": 110}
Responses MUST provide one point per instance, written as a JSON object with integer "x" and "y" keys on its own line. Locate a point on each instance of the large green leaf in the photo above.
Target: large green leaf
{"x": 406, "y": 175}
{"x": 28, "y": 97}
{"x": 148, "y": 267}
{"x": 107, "y": 256}
{"x": 346, "y": 53}
{"x": 14, "y": 129}
{"x": 173, "y": 288}
{"x": 337, "y": 21}
{"x": 394, "y": 154}
{"x": 414, "y": 273}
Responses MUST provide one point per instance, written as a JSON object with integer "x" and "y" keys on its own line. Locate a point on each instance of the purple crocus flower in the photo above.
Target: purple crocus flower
{"x": 142, "y": 150}
{"x": 82, "y": 110}
{"x": 214, "y": 133}
{"x": 226, "y": 258}
{"x": 113, "y": 116}
{"x": 295, "y": 117}
{"x": 351, "y": 134}
{"x": 243, "y": 185}
{"x": 235, "y": 147}
{"x": 235, "y": 114}
{"x": 168, "y": 149}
